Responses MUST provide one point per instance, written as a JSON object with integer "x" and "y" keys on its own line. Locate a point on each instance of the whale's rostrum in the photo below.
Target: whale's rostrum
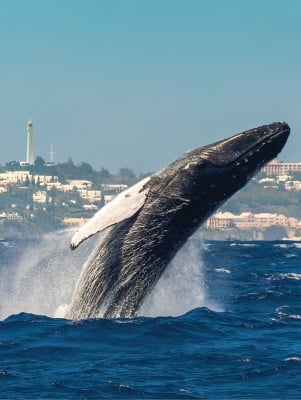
{"x": 147, "y": 224}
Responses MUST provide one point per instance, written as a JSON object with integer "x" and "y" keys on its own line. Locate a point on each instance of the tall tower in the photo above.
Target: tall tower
{"x": 51, "y": 154}
{"x": 29, "y": 154}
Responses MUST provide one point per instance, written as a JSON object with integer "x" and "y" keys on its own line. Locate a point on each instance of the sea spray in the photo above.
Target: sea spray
{"x": 45, "y": 272}
{"x": 43, "y": 275}
{"x": 250, "y": 351}
{"x": 182, "y": 287}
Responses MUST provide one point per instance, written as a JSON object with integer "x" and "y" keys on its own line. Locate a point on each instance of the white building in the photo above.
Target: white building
{"x": 292, "y": 185}
{"x": 90, "y": 207}
{"x": 280, "y": 168}
{"x": 108, "y": 198}
{"x": 13, "y": 216}
{"x": 248, "y": 220}
{"x": 93, "y": 196}
{"x": 79, "y": 183}
{"x": 14, "y": 177}
{"x": 39, "y": 197}
{"x": 110, "y": 187}
{"x": 45, "y": 179}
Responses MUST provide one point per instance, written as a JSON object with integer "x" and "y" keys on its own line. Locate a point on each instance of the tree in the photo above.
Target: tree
{"x": 296, "y": 175}
{"x": 12, "y": 165}
{"x": 27, "y": 182}
{"x": 39, "y": 165}
{"x": 103, "y": 175}
{"x": 52, "y": 194}
{"x": 66, "y": 170}
{"x": 38, "y": 183}
{"x": 86, "y": 171}
{"x": 126, "y": 172}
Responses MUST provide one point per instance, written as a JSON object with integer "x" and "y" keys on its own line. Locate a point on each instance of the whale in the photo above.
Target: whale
{"x": 144, "y": 227}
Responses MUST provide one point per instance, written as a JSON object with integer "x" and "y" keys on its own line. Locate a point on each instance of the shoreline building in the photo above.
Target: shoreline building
{"x": 280, "y": 168}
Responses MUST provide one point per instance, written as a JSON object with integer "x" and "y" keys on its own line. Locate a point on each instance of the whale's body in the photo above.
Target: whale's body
{"x": 153, "y": 219}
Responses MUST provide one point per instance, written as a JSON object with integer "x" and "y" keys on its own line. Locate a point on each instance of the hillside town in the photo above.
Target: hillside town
{"x": 279, "y": 175}
{"x": 48, "y": 189}
{"x": 37, "y": 196}
{"x": 72, "y": 202}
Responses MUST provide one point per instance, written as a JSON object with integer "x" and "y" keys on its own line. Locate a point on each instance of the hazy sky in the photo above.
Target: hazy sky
{"x": 137, "y": 83}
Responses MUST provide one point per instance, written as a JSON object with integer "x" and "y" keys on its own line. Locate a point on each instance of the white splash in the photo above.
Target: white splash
{"x": 182, "y": 286}
{"x": 43, "y": 278}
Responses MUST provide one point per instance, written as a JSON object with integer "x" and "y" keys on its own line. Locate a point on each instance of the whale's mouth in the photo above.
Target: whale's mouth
{"x": 256, "y": 146}
{"x": 267, "y": 149}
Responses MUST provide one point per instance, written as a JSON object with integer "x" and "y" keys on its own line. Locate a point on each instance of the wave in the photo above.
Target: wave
{"x": 181, "y": 287}
{"x": 42, "y": 279}
{"x": 282, "y": 276}
{"x": 289, "y": 312}
{"x": 244, "y": 244}
{"x": 42, "y": 275}
{"x": 224, "y": 270}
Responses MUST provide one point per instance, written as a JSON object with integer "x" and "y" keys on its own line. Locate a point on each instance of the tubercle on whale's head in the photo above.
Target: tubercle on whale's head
{"x": 213, "y": 173}
{"x": 258, "y": 145}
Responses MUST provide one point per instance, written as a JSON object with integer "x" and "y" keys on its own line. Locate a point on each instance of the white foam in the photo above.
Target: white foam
{"x": 43, "y": 278}
{"x": 181, "y": 288}
{"x": 61, "y": 311}
{"x": 287, "y": 275}
{"x": 240, "y": 244}
{"x": 296, "y": 359}
{"x": 285, "y": 311}
{"x": 224, "y": 270}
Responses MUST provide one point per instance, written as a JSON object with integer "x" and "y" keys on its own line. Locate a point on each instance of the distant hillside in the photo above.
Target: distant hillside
{"x": 21, "y": 215}
{"x": 69, "y": 170}
{"x": 255, "y": 198}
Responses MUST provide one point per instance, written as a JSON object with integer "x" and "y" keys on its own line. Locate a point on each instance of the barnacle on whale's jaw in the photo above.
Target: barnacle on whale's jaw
{"x": 257, "y": 146}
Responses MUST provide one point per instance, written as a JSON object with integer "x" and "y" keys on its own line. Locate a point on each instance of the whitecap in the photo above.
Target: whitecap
{"x": 242, "y": 244}
{"x": 43, "y": 278}
{"x": 283, "y": 275}
{"x": 287, "y": 311}
{"x": 226, "y": 271}
{"x": 283, "y": 245}
{"x": 296, "y": 359}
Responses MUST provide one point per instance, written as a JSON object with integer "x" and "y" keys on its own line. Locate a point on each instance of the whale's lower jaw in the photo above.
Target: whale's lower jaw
{"x": 155, "y": 218}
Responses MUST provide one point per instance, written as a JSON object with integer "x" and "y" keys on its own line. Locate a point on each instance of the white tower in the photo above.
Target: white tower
{"x": 29, "y": 154}
{"x": 51, "y": 155}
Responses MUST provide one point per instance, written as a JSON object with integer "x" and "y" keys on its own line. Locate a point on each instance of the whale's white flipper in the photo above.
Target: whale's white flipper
{"x": 125, "y": 205}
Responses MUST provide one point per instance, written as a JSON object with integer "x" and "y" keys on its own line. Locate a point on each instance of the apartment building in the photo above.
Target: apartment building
{"x": 248, "y": 220}
{"x": 280, "y": 168}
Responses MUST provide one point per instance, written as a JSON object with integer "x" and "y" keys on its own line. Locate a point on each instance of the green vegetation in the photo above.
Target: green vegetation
{"x": 28, "y": 217}
{"x": 256, "y": 199}
{"x": 68, "y": 170}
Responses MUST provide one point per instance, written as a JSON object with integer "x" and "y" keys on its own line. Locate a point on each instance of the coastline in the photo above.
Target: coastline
{"x": 34, "y": 231}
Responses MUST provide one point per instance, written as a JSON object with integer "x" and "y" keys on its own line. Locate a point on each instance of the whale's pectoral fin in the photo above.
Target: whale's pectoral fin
{"x": 124, "y": 206}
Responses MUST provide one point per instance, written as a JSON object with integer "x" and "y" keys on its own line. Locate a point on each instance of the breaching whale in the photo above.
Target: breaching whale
{"x": 150, "y": 221}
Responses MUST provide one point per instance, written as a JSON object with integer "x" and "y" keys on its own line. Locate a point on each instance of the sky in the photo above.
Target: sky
{"x": 137, "y": 83}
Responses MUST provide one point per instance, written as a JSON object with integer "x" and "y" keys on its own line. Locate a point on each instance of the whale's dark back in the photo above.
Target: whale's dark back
{"x": 130, "y": 259}
{"x": 126, "y": 265}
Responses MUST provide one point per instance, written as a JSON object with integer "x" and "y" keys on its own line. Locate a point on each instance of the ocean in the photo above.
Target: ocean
{"x": 224, "y": 322}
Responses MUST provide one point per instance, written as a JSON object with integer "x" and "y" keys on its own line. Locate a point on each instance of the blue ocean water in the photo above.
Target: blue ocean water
{"x": 234, "y": 330}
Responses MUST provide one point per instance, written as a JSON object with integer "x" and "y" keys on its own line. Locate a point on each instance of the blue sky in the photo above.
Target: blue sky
{"x": 137, "y": 83}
